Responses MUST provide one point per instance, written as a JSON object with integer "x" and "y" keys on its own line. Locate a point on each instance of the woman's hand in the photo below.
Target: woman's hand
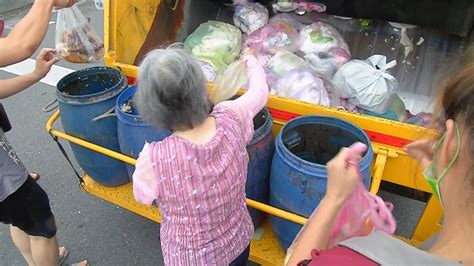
{"x": 44, "y": 61}
{"x": 247, "y": 52}
{"x": 422, "y": 151}
{"x": 342, "y": 177}
{"x": 342, "y": 180}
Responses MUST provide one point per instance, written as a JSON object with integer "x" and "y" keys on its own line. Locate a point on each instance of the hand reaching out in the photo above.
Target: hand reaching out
{"x": 342, "y": 177}
{"x": 44, "y": 61}
{"x": 422, "y": 151}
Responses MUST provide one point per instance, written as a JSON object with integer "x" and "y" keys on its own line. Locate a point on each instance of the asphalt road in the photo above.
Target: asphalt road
{"x": 91, "y": 228}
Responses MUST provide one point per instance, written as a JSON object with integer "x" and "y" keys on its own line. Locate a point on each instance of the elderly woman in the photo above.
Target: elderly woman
{"x": 449, "y": 161}
{"x": 197, "y": 175}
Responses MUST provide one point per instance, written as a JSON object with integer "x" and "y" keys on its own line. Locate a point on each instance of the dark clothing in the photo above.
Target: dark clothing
{"x": 242, "y": 259}
{"x": 28, "y": 209}
{"x": 12, "y": 172}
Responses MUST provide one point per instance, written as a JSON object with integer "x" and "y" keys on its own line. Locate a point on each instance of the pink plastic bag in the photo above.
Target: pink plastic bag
{"x": 276, "y": 36}
{"x": 361, "y": 214}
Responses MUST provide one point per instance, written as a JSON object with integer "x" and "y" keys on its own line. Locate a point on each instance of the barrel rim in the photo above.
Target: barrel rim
{"x": 263, "y": 130}
{"x": 131, "y": 119}
{"x": 280, "y": 146}
{"x": 94, "y": 97}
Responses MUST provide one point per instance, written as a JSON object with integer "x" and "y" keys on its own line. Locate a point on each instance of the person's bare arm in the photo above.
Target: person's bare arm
{"x": 12, "y": 86}
{"x": 28, "y": 33}
{"x": 342, "y": 180}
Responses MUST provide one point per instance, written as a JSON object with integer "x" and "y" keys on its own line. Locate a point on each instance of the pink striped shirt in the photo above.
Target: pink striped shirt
{"x": 200, "y": 189}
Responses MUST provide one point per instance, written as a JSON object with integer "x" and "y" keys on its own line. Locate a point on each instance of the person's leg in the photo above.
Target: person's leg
{"x": 242, "y": 259}
{"x": 22, "y": 242}
{"x": 34, "y": 227}
{"x": 44, "y": 250}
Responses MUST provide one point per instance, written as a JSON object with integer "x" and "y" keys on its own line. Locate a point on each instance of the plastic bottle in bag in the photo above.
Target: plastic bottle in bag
{"x": 366, "y": 83}
{"x": 76, "y": 40}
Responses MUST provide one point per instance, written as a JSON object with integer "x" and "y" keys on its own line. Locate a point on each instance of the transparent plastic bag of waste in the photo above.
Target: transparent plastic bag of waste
{"x": 209, "y": 72}
{"x": 76, "y": 40}
{"x": 298, "y": 5}
{"x": 396, "y": 110}
{"x": 250, "y": 17}
{"x": 360, "y": 215}
{"x": 303, "y": 85}
{"x": 284, "y": 61}
{"x": 324, "y": 48}
{"x": 290, "y": 19}
{"x": 217, "y": 40}
{"x": 367, "y": 84}
{"x": 226, "y": 86}
{"x": 276, "y": 36}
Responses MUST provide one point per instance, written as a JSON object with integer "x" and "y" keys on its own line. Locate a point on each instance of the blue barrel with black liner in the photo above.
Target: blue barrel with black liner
{"x": 86, "y": 101}
{"x": 298, "y": 175}
{"x": 132, "y": 131}
{"x": 260, "y": 151}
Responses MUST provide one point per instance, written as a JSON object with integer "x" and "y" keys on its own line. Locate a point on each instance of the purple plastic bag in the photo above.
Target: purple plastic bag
{"x": 302, "y": 85}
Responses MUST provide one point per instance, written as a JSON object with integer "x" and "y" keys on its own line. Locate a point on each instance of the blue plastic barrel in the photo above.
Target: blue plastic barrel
{"x": 260, "y": 152}
{"x": 298, "y": 175}
{"x": 132, "y": 131}
{"x": 83, "y": 96}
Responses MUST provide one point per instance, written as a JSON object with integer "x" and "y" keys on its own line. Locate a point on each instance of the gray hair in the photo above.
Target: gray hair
{"x": 171, "y": 90}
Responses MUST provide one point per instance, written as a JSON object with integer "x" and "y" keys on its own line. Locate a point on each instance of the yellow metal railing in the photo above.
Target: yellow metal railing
{"x": 379, "y": 166}
{"x": 267, "y": 251}
{"x": 251, "y": 203}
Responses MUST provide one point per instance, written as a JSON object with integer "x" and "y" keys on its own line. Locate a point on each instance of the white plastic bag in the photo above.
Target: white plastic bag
{"x": 366, "y": 84}
{"x": 303, "y": 85}
{"x": 227, "y": 85}
{"x": 76, "y": 41}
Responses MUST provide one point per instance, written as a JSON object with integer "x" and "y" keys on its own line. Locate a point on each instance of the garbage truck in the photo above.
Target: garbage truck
{"x": 421, "y": 42}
